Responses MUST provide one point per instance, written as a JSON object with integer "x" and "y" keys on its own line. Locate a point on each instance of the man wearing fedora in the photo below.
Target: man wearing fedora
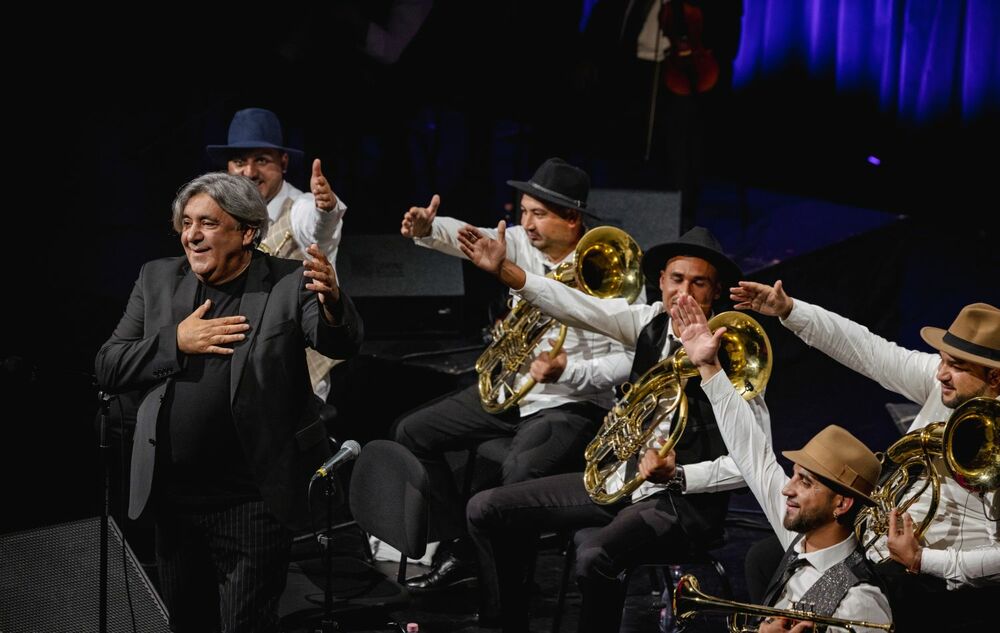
{"x": 959, "y": 559}
{"x": 824, "y": 569}
{"x": 683, "y": 502}
{"x": 553, "y": 422}
{"x": 256, "y": 149}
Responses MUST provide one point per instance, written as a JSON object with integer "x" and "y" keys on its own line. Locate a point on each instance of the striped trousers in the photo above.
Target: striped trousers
{"x": 222, "y": 570}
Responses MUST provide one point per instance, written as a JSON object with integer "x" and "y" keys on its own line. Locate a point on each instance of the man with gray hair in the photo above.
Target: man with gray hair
{"x": 216, "y": 341}
{"x": 255, "y": 148}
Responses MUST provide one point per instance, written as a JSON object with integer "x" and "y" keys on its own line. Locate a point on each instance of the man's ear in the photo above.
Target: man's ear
{"x": 250, "y": 235}
{"x": 993, "y": 379}
{"x": 844, "y": 504}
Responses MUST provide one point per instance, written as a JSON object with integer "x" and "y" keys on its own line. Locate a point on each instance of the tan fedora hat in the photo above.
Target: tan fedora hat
{"x": 974, "y": 336}
{"x": 835, "y": 454}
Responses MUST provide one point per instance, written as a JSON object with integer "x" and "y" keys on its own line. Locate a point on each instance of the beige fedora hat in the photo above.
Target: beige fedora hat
{"x": 974, "y": 336}
{"x": 835, "y": 454}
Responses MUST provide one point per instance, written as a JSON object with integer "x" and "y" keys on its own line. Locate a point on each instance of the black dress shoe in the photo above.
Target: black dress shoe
{"x": 450, "y": 572}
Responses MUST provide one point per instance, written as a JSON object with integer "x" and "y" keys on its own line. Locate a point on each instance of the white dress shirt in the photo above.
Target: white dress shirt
{"x": 961, "y": 542}
{"x": 310, "y": 224}
{"x": 741, "y": 423}
{"x": 594, "y": 363}
{"x": 624, "y": 322}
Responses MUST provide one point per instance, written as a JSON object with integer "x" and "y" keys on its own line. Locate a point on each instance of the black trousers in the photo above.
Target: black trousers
{"x": 223, "y": 570}
{"x": 544, "y": 443}
{"x": 505, "y": 522}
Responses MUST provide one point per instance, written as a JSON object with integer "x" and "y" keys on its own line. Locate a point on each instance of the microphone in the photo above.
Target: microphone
{"x": 348, "y": 450}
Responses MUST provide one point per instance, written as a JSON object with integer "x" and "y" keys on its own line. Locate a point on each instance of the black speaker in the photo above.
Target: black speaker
{"x": 650, "y": 217}
{"x": 402, "y": 290}
{"x": 50, "y": 581}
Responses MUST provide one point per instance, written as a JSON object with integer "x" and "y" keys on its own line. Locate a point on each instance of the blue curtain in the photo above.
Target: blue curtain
{"x": 922, "y": 61}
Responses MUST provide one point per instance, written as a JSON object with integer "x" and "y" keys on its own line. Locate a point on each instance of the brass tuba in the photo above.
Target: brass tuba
{"x": 969, "y": 443}
{"x": 606, "y": 264}
{"x": 745, "y": 354}
{"x": 689, "y": 601}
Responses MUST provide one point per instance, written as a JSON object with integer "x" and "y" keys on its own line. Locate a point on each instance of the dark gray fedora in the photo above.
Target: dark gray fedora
{"x": 252, "y": 128}
{"x": 559, "y": 183}
{"x": 698, "y": 242}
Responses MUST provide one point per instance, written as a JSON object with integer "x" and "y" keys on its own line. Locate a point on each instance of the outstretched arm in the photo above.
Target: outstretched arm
{"x": 417, "y": 222}
{"x": 316, "y": 217}
{"x": 761, "y": 298}
{"x": 491, "y": 254}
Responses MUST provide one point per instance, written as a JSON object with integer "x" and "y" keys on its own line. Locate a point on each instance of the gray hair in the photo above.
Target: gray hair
{"x": 237, "y": 195}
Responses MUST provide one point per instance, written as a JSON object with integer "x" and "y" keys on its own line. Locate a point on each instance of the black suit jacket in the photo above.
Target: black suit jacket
{"x": 275, "y": 412}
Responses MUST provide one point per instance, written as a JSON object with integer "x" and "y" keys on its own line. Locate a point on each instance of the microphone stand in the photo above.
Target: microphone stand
{"x": 327, "y": 623}
{"x": 105, "y": 461}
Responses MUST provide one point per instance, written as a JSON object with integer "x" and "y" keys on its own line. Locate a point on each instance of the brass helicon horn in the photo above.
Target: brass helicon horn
{"x": 969, "y": 445}
{"x": 690, "y": 601}
{"x": 606, "y": 264}
{"x": 745, "y": 354}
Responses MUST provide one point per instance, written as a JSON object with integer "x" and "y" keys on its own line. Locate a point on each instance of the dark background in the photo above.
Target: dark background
{"x": 104, "y": 125}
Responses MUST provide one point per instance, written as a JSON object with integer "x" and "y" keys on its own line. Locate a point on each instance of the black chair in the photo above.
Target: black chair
{"x": 387, "y": 472}
{"x": 388, "y": 494}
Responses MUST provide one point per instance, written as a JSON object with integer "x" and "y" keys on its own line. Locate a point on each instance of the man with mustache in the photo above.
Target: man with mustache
{"x": 551, "y": 425}
{"x": 683, "y": 502}
{"x": 943, "y": 582}
{"x": 256, "y": 149}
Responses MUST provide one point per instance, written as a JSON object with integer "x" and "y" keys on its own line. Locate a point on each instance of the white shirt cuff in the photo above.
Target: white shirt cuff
{"x": 933, "y": 562}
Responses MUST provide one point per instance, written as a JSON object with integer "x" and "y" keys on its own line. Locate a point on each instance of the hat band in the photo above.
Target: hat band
{"x": 970, "y": 347}
{"x": 578, "y": 203}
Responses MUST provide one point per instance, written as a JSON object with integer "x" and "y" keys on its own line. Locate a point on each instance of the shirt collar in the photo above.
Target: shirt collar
{"x": 274, "y": 206}
{"x": 823, "y": 559}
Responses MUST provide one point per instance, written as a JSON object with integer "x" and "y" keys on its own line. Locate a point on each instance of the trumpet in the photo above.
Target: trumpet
{"x": 690, "y": 601}
{"x": 745, "y": 354}
{"x": 606, "y": 264}
{"x": 969, "y": 445}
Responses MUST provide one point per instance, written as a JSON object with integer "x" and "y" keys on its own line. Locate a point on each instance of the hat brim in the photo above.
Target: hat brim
{"x": 934, "y": 336}
{"x": 556, "y": 199}
{"x": 810, "y": 463}
{"x": 223, "y": 153}
{"x": 656, "y": 258}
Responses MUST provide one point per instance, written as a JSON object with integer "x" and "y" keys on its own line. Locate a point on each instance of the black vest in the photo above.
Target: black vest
{"x": 700, "y": 514}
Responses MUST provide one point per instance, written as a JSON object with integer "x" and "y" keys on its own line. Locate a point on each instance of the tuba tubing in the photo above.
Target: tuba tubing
{"x": 968, "y": 443}
{"x": 605, "y": 264}
{"x": 745, "y": 354}
{"x": 690, "y": 601}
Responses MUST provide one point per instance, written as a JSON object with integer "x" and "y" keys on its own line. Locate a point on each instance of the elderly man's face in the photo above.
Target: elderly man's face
{"x": 265, "y": 167}
{"x": 215, "y": 245}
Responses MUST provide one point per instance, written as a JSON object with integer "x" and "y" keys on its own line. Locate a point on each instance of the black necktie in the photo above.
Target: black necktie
{"x": 792, "y": 564}
{"x": 675, "y": 344}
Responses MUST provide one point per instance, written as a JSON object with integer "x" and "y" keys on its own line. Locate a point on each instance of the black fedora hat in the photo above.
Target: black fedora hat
{"x": 252, "y": 128}
{"x": 559, "y": 183}
{"x": 698, "y": 242}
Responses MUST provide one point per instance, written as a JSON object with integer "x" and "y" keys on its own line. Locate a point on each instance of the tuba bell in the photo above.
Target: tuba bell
{"x": 968, "y": 444}
{"x": 745, "y": 354}
{"x": 690, "y": 601}
{"x": 606, "y": 264}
